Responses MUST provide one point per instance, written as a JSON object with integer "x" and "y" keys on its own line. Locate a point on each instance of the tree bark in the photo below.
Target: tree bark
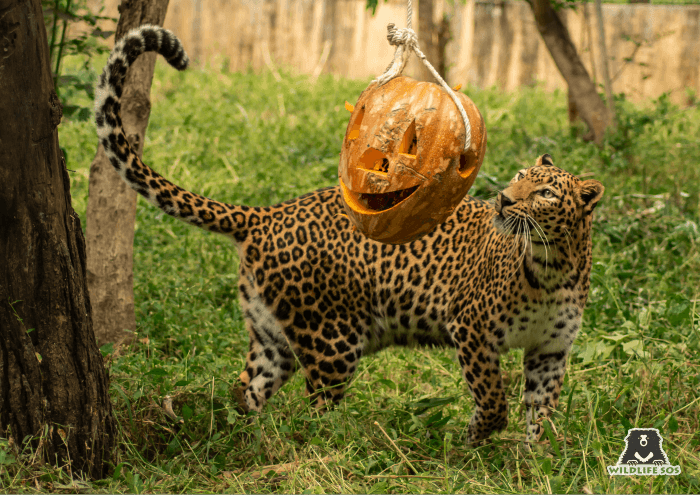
{"x": 426, "y": 32}
{"x": 444, "y": 36}
{"x": 556, "y": 37}
{"x": 111, "y": 209}
{"x": 573, "y": 109}
{"x": 53, "y": 383}
{"x": 603, "y": 51}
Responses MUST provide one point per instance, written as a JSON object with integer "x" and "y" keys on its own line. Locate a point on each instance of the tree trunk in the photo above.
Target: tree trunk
{"x": 111, "y": 209}
{"x": 556, "y": 37}
{"x": 53, "y": 383}
{"x": 444, "y": 36}
{"x": 573, "y": 110}
{"x": 603, "y": 51}
{"x": 426, "y": 31}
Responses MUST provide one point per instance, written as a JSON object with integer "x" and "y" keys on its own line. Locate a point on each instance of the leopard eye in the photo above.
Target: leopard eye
{"x": 546, "y": 193}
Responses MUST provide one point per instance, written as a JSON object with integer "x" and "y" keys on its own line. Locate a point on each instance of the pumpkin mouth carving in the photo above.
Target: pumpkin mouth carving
{"x": 376, "y": 203}
{"x": 384, "y": 201}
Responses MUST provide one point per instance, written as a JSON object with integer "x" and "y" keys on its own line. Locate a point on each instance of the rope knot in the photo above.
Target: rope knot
{"x": 405, "y": 36}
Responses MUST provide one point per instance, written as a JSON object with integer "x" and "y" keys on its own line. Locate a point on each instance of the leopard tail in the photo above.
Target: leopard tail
{"x": 173, "y": 200}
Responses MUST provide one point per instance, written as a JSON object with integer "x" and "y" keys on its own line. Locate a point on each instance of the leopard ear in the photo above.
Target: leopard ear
{"x": 589, "y": 193}
{"x": 545, "y": 160}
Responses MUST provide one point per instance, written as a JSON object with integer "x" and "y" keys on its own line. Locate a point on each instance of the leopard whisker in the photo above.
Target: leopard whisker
{"x": 512, "y": 222}
{"x": 526, "y": 241}
{"x": 568, "y": 236}
{"x": 515, "y": 228}
{"x": 519, "y": 238}
{"x": 543, "y": 236}
{"x": 508, "y": 228}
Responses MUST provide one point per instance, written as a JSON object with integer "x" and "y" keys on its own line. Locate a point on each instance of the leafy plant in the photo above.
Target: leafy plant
{"x": 85, "y": 41}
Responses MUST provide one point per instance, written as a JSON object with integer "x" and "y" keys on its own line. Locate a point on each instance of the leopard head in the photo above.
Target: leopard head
{"x": 547, "y": 206}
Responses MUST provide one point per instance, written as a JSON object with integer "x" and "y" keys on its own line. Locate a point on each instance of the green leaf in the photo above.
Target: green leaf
{"x": 634, "y": 348}
{"x": 425, "y": 404}
{"x": 625, "y": 424}
{"x": 84, "y": 114}
{"x": 597, "y": 447}
{"x": 546, "y": 466}
{"x": 372, "y": 4}
{"x": 187, "y": 412}
{"x": 6, "y": 458}
{"x": 437, "y": 420}
{"x": 117, "y": 475}
{"x": 107, "y": 349}
{"x": 555, "y": 482}
{"x": 387, "y": 383}
{"x": 552, "y": 439}
{"x": 380, "y": 487}
{"x": 672, "y": 425}
{"x": 157, "y": 372}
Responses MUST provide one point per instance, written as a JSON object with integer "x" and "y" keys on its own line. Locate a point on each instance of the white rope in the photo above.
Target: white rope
{"x": 406, "y": 41}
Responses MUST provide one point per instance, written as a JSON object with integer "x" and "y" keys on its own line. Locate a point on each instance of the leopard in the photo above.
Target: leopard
{"x": 317, "y": 295}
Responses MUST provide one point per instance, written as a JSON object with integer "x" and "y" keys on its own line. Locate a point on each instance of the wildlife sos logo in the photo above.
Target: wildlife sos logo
{"x": 643, "y": 455}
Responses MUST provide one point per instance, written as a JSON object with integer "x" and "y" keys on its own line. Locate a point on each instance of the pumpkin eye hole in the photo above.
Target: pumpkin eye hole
{"x": 375, "y": 161}
{"x": 409, "y": 143}
{"x": 355, "y": 131}
{"x": 466, "y": 166}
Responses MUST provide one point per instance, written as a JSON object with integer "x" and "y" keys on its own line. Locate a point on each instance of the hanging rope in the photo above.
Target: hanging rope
{"x": 406, "y": 42}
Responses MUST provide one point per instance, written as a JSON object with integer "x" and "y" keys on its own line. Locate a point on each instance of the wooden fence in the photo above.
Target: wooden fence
{"x": 652, "y": 49}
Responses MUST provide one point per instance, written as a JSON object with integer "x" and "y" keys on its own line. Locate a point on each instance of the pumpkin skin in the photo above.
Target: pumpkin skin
{"x": 403, "y": 168}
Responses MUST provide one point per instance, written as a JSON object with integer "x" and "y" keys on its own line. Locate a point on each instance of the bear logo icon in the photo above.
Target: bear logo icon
{"x": 643, "y": 455}
{"x": 643, "y": 446}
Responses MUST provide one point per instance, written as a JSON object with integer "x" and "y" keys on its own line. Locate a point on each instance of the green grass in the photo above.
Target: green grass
{"x": 634, "y": 363}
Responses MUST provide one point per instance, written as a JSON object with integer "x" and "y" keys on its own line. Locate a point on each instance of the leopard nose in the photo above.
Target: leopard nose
{"x": 505, "y": 201}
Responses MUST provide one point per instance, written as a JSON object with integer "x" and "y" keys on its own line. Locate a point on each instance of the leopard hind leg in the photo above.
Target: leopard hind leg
{"x": 329, "y": 371}
{"x": 269, "y": 364}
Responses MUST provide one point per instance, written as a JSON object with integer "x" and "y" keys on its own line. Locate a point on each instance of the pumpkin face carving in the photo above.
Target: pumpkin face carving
{"x": 403, "y": 168}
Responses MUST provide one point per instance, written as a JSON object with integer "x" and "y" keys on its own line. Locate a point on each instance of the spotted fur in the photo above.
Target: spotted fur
{"x": 514, "y": 273}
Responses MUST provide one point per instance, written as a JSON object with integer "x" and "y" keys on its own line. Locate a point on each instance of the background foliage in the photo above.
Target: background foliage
{"x": 72, "y": 31}
{"x": 246, "y": 139}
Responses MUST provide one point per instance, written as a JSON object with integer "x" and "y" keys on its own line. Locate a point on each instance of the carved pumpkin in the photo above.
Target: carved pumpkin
{"x": 403, "y": 168}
